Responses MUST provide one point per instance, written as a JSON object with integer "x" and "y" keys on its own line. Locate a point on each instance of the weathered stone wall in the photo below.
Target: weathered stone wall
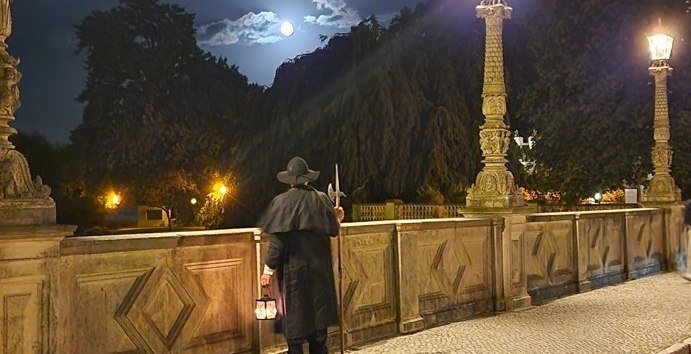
{"x": 574, "y": 252}
{"x": 194, "y": 292}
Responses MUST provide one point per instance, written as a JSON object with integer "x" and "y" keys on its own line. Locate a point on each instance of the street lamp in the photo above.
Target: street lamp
{"x": 662, "y": 188}
{"x": 495, "y": 187}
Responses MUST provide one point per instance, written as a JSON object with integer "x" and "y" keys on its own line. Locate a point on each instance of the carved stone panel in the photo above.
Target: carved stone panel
{"x": 605, "y": 245}
{"x": 550, "y": 260}
{"x": 197, "y": 297}
{"x": 22, "y": 326}
{"x": 369, "y": 299}
{"x": 97, "y": 297}
{"x": 645, "y": 243}
{"x": 454, "y": 268}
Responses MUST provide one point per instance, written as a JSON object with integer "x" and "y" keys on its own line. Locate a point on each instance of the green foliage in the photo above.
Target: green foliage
{"x": 588, "y": 93}
{"x": 213, "y": 212}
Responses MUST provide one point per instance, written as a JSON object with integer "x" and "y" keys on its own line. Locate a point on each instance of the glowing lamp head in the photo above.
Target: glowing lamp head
{"x": 265, "y": 308}
{"x": 193, "y": 201}
{"x": 660, "y": 47}
{"x": 223, "y": 190}
{"x": 287, "y": 29}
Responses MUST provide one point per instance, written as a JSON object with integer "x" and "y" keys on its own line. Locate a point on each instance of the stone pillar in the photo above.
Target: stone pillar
{"x": 494, "y": 188}
{"x": 407, "y": 281}
{"x": 662, "y": 188}
{"x": 513, "y": 254}
{"x": 23, "y": 201}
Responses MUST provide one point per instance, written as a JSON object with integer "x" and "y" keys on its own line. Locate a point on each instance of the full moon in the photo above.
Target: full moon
{"x": 287, "y": 28}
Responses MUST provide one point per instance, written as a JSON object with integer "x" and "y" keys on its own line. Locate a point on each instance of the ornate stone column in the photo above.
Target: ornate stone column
{"x": 23, "y": 201}
{"x": 662, "y": 188}
{"x": 494, "y": 188}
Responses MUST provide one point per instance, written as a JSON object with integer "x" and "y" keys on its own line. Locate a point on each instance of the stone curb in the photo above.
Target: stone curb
{"x": 678, "y": 348}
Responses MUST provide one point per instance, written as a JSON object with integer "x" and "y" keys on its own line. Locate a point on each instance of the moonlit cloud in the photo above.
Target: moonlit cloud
{"x": 340, "y": 15}
{"x": 251, "y": 28}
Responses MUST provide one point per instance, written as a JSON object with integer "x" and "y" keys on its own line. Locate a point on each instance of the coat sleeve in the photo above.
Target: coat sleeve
{"x": 274, "y": 255}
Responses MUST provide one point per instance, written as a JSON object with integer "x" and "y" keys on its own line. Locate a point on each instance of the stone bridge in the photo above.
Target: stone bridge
{"x": 194, "y": 292}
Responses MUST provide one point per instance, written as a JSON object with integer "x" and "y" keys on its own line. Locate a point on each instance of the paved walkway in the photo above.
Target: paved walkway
{"x": 641, "y": 316}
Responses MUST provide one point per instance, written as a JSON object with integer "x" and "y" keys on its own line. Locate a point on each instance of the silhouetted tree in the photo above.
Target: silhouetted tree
{"x": 159, "y": 113}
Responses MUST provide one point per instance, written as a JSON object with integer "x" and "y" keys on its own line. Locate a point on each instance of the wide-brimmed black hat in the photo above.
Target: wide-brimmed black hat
{"x": 297, "y": 172}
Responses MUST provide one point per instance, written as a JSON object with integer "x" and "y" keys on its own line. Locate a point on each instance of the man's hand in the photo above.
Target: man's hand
{"x": 265, "y": 280}
{"x": 340, "y": 214}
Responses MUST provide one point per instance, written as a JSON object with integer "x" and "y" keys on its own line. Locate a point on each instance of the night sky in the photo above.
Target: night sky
{"x": 246, "y": 32}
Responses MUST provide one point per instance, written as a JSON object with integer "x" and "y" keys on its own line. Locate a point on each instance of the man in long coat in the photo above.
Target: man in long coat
{"x": 301, "y": 222}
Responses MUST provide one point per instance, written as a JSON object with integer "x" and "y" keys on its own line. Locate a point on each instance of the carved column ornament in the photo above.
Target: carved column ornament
{"x": 662, "y": 188}
{"x": 494, "y": 186}
{"x": 23, "y": 201}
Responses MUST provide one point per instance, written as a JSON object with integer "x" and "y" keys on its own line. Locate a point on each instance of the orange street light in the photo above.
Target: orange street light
{"x": 113, "y": 200}
{"x": 220, "y": 190}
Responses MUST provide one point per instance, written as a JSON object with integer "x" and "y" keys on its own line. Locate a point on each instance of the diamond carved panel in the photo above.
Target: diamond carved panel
{"x": 448, "y": 268}
{"x": 604, "y": 242}
{"x": 369, "y": 264}
{"x": 224, "y": 283}
{"x": 550, "y": 258}
{"x": 168, "y": 306}
{"x": 544, "y": 252}
{"x": 156, "y": 310}
{"x": 643, "y": 238}
{"x": 350, "y": 283}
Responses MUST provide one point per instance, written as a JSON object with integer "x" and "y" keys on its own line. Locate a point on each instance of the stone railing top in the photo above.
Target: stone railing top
{"x": 590, "y": 213}
{"x": 152, "y": 241}
{"x": 171, "y": 240}
{"x": 410, "y": 221}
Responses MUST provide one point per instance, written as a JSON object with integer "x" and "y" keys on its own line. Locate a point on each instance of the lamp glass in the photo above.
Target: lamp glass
{"x": 265, "y": 308}
{"x": 260, "y": 310}
{"x": 271, "y": 309}
{"x": 660, "y": 46}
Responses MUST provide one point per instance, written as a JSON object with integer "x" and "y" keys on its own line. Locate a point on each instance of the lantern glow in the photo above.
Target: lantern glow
{"x": 265, "y": 308}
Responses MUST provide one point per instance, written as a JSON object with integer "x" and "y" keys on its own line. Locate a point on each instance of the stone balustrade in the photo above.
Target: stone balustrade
{"x": 194, "y": 292}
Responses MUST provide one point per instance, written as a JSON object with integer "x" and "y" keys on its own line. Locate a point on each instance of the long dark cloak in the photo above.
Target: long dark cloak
{"x": 301, "y": 222}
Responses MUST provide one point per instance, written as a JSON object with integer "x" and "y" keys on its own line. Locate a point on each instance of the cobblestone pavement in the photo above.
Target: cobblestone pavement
{"x": 640, "y": 316}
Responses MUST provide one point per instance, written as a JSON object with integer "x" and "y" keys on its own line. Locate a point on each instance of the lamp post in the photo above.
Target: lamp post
{"x": 495, "y": 187}
{"x": 662, "y": 188}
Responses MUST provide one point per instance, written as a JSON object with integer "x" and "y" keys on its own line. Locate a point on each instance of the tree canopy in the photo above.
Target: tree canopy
{"x": 159, "y": 113}
{"x": 397, "y": 105}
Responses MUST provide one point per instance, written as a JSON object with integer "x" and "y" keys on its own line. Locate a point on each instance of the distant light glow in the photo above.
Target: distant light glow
{"x": 193, "y": 201}
{"x": 219, "y": 190}
{"x": 113, "y": 200}
{"x": 287, "y": 28}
